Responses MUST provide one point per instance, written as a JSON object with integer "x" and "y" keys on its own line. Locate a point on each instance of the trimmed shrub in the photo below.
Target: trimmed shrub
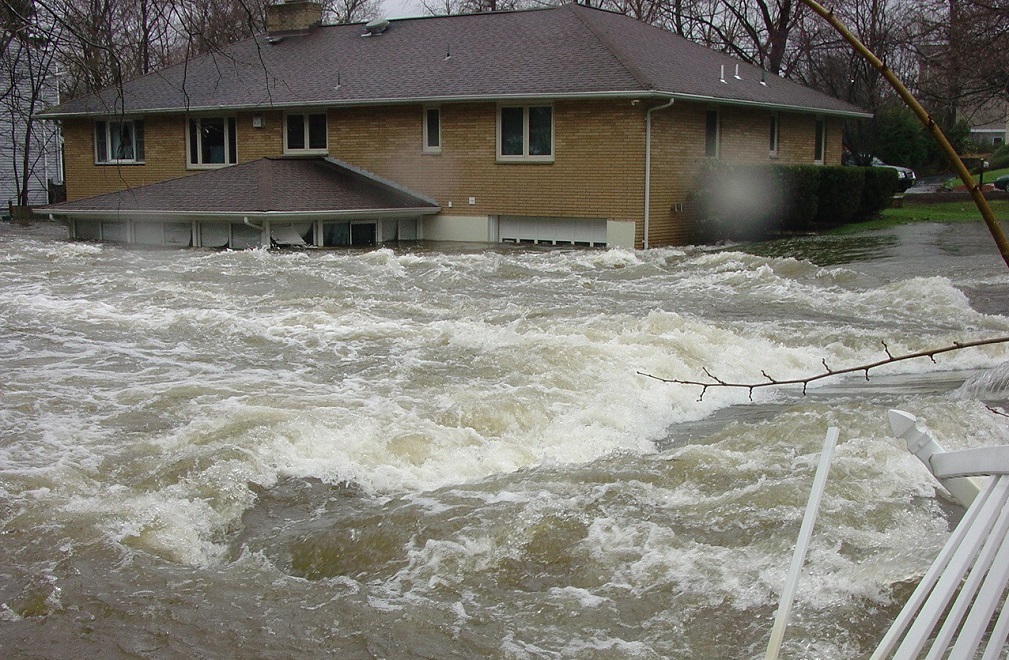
{"x": 1000, "y": 158}
{"x": 880, "y": 184}
{"x": 840, "y": 194}
{"x": 801, "y": 185}
{"x": 752, "y": 202}
{"x": 725, "y": 197}
{"x": 749, "y": 202}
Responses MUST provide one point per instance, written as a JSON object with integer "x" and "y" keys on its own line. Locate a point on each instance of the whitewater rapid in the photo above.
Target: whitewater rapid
{"x": 450, "y": 451}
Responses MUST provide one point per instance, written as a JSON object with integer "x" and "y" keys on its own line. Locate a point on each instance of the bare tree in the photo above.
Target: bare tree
{"x": 351, "y": 11}
{"x": 827, "y": 62}
{"x": 209, "y": 25}
{"x": 962, "y": 53}
{"x": 448, "y": 7}
{"x": 27, "y": 86}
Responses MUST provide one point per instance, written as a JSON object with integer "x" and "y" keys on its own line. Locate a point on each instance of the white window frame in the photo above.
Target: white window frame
{"x": 305, "y": 118}
{"x": 718, "y": 133}
{"x": 525, "y": 157}
{"x": 775, "y": 135}
{"x": 428, "y": 148}
{"x": 108, "y": 123}
{"x": 195, "y": 163}
{"x": 819, "y": 141}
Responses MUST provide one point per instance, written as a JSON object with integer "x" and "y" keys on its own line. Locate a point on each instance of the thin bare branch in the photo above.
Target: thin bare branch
{"x": 716, "y": 381}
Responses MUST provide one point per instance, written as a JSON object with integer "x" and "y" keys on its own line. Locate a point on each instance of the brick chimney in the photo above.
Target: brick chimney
{"x": 292, "y": 17}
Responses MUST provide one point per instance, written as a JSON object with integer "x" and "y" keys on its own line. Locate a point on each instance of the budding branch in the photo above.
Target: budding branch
{"x": 828, "y": 372}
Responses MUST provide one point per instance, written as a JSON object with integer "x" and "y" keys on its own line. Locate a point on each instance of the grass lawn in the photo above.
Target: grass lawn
{"x": 989, "y": 176}
{"x": 955, "y": 211}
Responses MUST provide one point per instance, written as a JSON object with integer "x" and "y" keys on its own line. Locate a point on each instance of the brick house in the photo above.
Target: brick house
{"x": 567, "y": 125}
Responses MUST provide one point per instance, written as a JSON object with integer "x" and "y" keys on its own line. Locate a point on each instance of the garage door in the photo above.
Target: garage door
{"x": 552, "y": 231}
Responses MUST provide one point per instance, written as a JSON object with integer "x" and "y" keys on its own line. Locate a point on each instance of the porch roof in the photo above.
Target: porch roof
{"x": 286, "y": 188}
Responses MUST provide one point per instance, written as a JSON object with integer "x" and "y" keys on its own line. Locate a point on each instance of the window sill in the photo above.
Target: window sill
{"x": 211, "y": 166}
{"x": 306, "y": 152}
{"x": 525, "y": 160}
{"x": 431, "y": 152}
{"x": 106, "y": 163}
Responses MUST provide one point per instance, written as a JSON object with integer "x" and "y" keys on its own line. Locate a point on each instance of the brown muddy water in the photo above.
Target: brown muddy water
{"x": 444, "y": 451}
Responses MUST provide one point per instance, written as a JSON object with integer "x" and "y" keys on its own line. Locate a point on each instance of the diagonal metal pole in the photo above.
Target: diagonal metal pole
{"x": 975, "y": 191}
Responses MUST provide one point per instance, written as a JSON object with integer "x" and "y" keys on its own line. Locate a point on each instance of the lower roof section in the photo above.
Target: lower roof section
{"x": 280, "y": 188}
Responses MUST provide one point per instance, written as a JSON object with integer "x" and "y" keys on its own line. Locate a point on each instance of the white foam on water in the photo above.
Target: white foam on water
{"x": 581, "y": 598}
{"x": 409, "y": 372}
{"x": 989, "y": 384}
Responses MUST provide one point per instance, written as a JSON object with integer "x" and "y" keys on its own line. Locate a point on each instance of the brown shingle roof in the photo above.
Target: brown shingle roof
{"x": 566, "y": 51}
{"x": 267, "y": 185}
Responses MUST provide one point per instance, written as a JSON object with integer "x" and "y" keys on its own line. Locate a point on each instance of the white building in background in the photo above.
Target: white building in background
{"x": 19, "y": 105}
{"x": 990, "y": 126}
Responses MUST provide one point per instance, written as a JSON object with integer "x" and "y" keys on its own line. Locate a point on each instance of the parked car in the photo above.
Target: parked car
{"x": 1002, "y": 183}
{"x": 905, "y": 175}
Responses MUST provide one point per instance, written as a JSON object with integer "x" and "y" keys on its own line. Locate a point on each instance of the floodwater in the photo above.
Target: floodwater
{"x": 439, "y": 451}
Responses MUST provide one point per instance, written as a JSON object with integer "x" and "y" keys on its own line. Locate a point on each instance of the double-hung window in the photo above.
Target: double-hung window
{"x": 711, "y": 134}
{"x": 819, "y": 141}
{"x": 526, "y": 133}
{"x": 212, "y": 141}
{"x": 119, "y": 141}
{"x": 774, "y": 134}
{"x": 432, "y": 130}
{"x": 305, "y": 132}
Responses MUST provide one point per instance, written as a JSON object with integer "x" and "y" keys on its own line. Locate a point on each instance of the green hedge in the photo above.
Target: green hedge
{"x": 801, "y": 185}
{"x": 1000, "y": 158}
{"x": 749, "y": 202}
{"x": 878, "y": 189}
{"x": 840, "y": 195}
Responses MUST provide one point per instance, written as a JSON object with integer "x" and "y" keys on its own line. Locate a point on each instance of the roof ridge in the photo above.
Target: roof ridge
{"x": 621, "y": 57}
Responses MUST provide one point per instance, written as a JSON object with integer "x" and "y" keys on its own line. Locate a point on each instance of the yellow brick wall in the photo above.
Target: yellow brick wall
{"x": 164, "y": 157}
{"x": 164, "y": 152}
{"x": 678, "y": 156}
{"x": 255, "y": 143}
{"x": 598, "y": 168}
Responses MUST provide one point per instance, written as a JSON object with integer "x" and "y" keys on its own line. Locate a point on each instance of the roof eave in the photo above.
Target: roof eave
{"x": 779, "y": 107}
{"x": 476, "y": 98}
{"x": 239, "y": 216}
{"x": 333, "y": 103}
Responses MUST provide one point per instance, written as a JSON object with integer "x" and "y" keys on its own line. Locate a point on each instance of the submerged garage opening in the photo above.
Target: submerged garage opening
{"x": 362, "y": 234}
{"x": 585, "y": 232}
{"x": 343, "y": 234}
{"x": 366, "y": 232}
